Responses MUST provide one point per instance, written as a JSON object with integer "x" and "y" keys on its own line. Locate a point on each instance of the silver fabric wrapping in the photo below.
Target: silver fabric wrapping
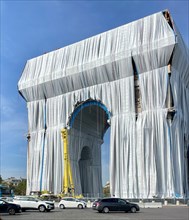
{"x": 147, "y": 155}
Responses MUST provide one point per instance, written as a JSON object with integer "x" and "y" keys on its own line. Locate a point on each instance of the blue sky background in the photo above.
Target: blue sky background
{"x": 31, "y": 28}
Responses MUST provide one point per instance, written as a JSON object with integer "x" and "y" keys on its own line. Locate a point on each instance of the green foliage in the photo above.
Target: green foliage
{"x": 1, "y": 180}
{"x": 20, "y": 189}
{"x": 106, "y": 191}
{"x": 45, "y": 192}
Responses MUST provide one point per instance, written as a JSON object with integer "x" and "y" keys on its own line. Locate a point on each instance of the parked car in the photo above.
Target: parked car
{"x": 70, "y": 202}
{"x": 95, "y": 203}
{"x": 7, "y": 199}
{"x": 29, "y": 203}
{"x": 115, "y": 204}
{"x": 7, "y": 207}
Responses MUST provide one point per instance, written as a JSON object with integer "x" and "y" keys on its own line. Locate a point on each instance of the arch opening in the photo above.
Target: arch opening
{"x": 85, "y": 170}
{"x": 88, "y": 124}
{"x": 81, "y": 105}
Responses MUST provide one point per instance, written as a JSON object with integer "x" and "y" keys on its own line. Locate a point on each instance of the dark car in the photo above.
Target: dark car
{"x": 115, "y": 204}
{"x": 95, "y": 203}
{"x": 7, "y": 207}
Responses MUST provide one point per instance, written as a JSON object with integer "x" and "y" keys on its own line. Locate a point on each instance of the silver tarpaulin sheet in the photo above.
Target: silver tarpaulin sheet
{"x": 148, "y": 153}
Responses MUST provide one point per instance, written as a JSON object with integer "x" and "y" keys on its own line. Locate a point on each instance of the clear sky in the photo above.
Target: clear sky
{"x": 31, "y": 28}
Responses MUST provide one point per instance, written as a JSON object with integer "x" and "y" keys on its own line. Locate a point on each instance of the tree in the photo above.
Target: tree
{"x": 1, "y": 180}
{"x": 106, "y": 190}
{"x": 21, "y": 188}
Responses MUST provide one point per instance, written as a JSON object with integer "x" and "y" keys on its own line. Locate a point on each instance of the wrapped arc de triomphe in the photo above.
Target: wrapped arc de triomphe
{"x": 133, "y": 79}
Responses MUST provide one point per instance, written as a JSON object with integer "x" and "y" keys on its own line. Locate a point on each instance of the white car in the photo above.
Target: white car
{"x": 70, "y": 202}
{"x": 27, "y": 203}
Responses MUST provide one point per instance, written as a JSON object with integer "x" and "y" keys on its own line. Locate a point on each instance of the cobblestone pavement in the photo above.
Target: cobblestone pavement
{"x": 165, "y": 213}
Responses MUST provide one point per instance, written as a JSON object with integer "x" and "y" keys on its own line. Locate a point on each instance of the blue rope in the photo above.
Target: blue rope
{"x": 87, "y": 104}
{"x": 43, "y": 147}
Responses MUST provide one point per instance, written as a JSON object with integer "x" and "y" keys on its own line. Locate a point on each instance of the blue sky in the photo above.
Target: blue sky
{"x": 31, "y": 28}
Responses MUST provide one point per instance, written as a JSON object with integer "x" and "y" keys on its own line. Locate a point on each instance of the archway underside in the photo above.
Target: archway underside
{"x": 85, "y": 138}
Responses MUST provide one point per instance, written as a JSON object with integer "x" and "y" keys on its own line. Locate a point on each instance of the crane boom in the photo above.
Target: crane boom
{"x": 68, "y": 185}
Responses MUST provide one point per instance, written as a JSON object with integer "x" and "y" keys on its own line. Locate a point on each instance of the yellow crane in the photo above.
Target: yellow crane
{"x": 68, "y": 185}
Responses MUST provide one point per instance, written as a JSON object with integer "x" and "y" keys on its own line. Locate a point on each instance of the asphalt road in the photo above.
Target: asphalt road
{"x": 165, "y": 213}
